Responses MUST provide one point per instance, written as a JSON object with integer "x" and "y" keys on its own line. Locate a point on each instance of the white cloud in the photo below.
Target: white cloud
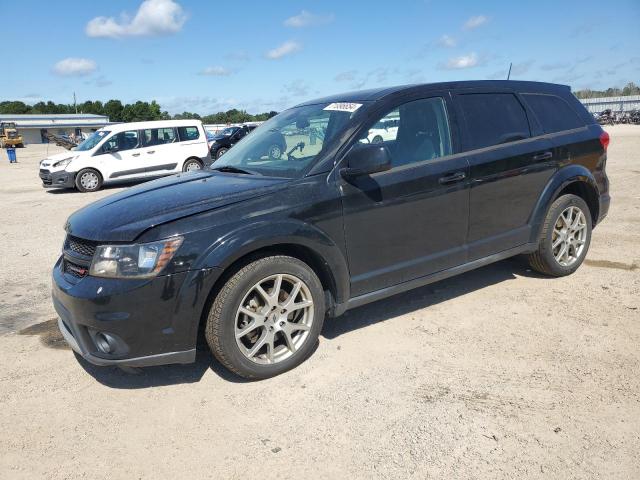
{"x": 464, "y": 61}
{"x": 447, "y": 41}
{"x": 287, "y": 48}
{"x": 216, "y": 71}
{"x": 75, "y": 67}
{"x": 475, "y": 22}
{"x": 347, "y": 76}
{"x": 153, "y": 18}
{"x": 297, "y": 88}
{"x": 307, "y": 19}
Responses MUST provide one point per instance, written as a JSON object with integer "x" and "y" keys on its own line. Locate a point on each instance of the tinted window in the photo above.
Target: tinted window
{"x": 493, "y": 119}
{"x": 158, "y": 136}
{"x": 413, "y": 132}
{"x": 122, "y": 141}
{"x": 554, "y": 113}
{"x": 188, "y": 133}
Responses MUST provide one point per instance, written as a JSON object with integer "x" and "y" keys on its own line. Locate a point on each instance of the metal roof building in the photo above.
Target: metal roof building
{"x": 616, "y": 104}
{"x": 33, "y": 128}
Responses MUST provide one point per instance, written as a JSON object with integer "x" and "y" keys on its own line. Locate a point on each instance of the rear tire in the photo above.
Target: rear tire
{"x": 280, "y": 330}
{"x": 191, "y": 165}
{"x": 88, "y": 180}
{"x": 565, "y": 237}
{"x": 221, "y": 152}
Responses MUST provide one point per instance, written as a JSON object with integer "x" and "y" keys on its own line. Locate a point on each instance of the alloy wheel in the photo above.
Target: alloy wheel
{"x": 569, "y": 236}
{"x": 274, "y": 319}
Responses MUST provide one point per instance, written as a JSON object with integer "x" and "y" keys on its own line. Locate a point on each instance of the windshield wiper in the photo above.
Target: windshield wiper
{"x": 230, "y": 169}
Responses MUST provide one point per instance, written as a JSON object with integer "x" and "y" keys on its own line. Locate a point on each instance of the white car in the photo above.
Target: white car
{"x": 383, "y": 131}
{"x": 129, "y": 151}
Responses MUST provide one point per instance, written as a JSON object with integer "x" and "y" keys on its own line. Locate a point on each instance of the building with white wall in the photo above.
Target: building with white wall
{"x": 34, "y": 128}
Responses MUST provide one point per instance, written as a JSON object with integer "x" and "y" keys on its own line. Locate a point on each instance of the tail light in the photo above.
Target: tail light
{"x": 604, "y": 140}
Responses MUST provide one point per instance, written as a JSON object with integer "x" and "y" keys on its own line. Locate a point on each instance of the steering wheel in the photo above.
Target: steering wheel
{"x": 299, "y": 146}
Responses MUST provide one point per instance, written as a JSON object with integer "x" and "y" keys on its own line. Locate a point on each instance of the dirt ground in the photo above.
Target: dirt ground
{"x": 498, "y": 373}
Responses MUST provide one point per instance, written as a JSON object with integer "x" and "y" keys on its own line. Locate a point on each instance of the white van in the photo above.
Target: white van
{"x": 129, "y": 151}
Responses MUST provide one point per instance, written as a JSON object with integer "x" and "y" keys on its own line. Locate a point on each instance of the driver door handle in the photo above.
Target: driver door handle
{"x": 542, "y": 156}
{"x": 151, "y": 151}
{"x": 135, "y": 155}
{"x": 452, "y": 178}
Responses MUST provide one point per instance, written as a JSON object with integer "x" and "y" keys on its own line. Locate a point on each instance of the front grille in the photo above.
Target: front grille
{"x": 81, "y": 246}
{"x": 75, "y": 270}
{"x": 45, "y": 175}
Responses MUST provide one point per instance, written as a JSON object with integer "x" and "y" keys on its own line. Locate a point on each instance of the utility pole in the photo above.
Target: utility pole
{"x": 509, "y": 74}
{"x": 75, "y": 105}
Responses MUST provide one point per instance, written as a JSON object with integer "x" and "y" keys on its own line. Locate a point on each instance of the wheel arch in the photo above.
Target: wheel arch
{"x": 573, "y": 179}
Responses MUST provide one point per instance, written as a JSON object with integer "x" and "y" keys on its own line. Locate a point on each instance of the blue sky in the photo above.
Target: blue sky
{"x": 206, "y": 56}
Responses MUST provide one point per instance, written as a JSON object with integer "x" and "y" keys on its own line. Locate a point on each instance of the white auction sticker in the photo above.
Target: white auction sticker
{"x": 343, "y": 107}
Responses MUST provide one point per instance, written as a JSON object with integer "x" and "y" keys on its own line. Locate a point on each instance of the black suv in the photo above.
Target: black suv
{"x": 273, "y": 145}
{"x": 257, "y": 250}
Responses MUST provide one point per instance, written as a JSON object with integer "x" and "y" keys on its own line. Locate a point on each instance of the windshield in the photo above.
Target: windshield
{"x": 227, "y": 131}
{"x": 285, "y": 145}
{"x": 92, "y": 140}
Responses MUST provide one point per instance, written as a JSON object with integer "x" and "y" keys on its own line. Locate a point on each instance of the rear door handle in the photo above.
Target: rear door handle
{"x": 453, "y": 178}
{"x": 542, "y": 156}
{"x": 151, "y": 151}
{"x": 135, "y": 155}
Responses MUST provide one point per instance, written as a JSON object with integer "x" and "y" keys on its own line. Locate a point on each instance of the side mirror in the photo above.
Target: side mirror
{"x": 365, "y": 159}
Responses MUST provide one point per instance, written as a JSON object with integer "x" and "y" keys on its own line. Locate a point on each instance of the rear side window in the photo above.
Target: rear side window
{"x": 493, "y": 119}
{"x": 158, "y": 136}
{"x": 188, "y": 133}
{"x": 554, "y": 114}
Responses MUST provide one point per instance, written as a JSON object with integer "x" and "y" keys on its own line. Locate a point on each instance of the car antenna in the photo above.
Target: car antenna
{"x": 509, "y": 74}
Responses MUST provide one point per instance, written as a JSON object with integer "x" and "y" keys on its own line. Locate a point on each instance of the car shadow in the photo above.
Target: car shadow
{"x": 427, "y": 296}
{"x": 355, "y": 319}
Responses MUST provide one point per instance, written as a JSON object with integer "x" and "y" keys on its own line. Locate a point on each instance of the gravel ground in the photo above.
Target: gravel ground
{"x": 497, "y": 373}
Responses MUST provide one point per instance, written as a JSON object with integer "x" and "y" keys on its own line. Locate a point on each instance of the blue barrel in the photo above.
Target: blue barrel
{"x": 11, "y": 153}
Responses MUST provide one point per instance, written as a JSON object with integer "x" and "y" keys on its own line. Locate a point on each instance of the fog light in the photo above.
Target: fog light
{"x": 104, "y": 343}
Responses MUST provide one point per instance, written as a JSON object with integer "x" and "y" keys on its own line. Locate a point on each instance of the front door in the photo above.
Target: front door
{"x": 121, "y": 157}
{"x": 409, "y": 221}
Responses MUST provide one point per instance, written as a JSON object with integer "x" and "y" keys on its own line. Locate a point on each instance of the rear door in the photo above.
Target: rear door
{"x": 409, "y": 221}
{"x": 161, "y": 151}
{"x": 509, "y": 166}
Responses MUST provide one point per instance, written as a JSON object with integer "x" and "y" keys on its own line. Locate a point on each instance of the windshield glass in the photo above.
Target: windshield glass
{"x": 227, "y": 131}
{"x": 92, "y": 140}
{"x": 285, "y": 145}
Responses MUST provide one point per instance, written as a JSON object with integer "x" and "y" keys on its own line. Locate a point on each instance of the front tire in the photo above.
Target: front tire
{"x": 267, "y": 317}
{"x": 221, "y": 152}
{"x": 565, "y": 238}
{"x": 88, "y": 180}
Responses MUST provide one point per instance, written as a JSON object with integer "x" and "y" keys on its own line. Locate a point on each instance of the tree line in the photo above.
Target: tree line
{"x": 629, "y": 89}
{"x": 130, "y": 112}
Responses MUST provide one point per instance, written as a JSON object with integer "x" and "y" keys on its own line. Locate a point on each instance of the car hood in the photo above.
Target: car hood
{"x": 126, "y": 215}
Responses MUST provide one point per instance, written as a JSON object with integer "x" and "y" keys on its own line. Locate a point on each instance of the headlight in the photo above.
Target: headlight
{"x": 63, "y": 163}
{"x": 133, "y": 261}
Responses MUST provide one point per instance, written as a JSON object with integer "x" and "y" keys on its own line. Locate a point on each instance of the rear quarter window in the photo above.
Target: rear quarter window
{"x": 188, "y": 133}
{"x": 493, "y": 119}
{"x": 553, "y": 113}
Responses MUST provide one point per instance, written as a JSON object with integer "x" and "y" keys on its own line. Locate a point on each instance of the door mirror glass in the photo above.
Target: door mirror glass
{"x": 365, "y": 159}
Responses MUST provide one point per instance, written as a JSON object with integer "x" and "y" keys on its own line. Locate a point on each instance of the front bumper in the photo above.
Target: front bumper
{"x": 61, "y": 179}
{"x": 148, "y": 322}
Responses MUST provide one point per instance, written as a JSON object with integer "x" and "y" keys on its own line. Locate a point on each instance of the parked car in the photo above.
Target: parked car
{"x": 274, "y": 145}
{"x": 383, "y": 131}
{"x": 128, "y": 151}
{"x": 257, "y": 250}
